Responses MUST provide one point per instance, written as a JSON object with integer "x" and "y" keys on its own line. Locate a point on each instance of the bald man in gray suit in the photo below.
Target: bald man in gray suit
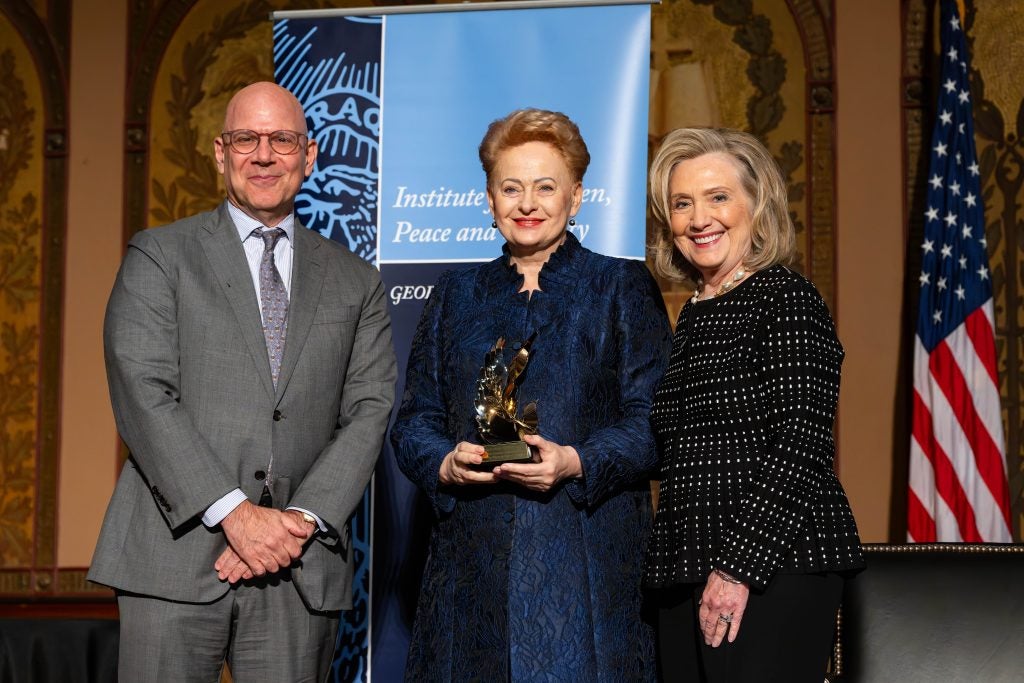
{"x": 252, "y": 376}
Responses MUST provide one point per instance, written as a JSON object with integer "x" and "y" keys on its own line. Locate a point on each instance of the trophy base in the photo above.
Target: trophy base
{"x": 505, "y": 452}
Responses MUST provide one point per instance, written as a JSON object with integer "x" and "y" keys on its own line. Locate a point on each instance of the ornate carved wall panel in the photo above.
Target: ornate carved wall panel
{"x": 186, "y": 59}
{"x": 994, "y": 30}
{"x": 33, "y": 148}
{"x": 766, "y": 67}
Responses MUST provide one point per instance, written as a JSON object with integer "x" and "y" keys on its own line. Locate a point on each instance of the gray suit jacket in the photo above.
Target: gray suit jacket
{"x": 194, "y": 401}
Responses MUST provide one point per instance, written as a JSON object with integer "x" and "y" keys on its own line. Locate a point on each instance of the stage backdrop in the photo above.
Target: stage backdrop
{"x": 398, "y": 104}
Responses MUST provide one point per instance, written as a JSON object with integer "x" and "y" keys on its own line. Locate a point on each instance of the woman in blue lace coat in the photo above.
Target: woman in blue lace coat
{"x": 534, "y": 569}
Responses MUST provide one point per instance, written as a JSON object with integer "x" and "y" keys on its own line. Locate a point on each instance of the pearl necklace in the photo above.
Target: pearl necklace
{"x": 726, "y": 286}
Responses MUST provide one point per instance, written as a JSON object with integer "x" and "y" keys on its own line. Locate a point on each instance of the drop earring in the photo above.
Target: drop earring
{"x": 572, "y": 222}
{"x": 494, "y": 224}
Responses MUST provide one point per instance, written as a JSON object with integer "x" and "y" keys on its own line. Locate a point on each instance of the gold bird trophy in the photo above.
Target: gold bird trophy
{"x": 499, "y": 423}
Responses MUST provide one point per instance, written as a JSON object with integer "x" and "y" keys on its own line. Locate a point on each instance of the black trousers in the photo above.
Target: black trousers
{"x": 785, "y": 637}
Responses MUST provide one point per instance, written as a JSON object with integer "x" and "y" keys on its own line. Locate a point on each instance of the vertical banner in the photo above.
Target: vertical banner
{"x": 398, "y": 105}
{"x": 339, "y": 88}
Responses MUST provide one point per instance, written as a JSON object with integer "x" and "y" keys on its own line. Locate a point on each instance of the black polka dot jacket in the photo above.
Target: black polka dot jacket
{"x": 744, "y": 420}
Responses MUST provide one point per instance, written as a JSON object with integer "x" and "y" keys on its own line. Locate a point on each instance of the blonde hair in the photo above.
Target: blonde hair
{"x": 536, "y": 125}
{"x": 772, "y": 238}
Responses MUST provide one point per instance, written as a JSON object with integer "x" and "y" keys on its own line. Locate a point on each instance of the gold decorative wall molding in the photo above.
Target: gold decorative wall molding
{"x": 33, "y": 216}
{"x": 814, "y": 20}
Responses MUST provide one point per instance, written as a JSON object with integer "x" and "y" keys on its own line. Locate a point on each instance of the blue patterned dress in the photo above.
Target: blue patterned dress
{"x": 519, "y": 585}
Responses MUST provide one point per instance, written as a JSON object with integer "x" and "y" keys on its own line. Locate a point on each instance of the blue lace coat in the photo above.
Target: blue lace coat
{"x": 518, "y": 585}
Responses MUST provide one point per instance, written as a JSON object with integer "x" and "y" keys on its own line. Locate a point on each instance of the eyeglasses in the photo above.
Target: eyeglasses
{"x": 246, "y": 141}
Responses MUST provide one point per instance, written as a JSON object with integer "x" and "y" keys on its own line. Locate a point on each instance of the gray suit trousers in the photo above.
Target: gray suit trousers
{"x": 260, "y": 628}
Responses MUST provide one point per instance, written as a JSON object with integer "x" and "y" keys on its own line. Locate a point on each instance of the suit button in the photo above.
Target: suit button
{"x": 507, "y": 516}
{"x": 260, "y": 475}
{"x": 277, "y": 416}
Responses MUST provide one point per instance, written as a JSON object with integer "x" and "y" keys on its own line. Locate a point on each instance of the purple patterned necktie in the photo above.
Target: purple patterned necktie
{"x": 273, "y": 300}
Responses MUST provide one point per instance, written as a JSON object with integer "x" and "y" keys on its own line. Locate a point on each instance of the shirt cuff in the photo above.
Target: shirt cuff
{"x": 319, "y": 522}
{"x": 216, "y": 513}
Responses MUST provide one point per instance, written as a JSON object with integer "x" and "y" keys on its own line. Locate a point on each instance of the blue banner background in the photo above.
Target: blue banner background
{"x": 448, "y": 75}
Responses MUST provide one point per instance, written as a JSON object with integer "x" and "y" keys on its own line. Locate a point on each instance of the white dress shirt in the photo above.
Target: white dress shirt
{"x": 283, "y": 251}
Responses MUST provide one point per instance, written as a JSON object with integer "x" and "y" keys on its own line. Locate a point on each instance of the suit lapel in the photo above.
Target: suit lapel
{"x": 307, "y": 284}
{"x": 224, "y": 251}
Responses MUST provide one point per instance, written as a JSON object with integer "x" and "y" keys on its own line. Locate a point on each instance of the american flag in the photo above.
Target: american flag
{"x": 958, "y": 486}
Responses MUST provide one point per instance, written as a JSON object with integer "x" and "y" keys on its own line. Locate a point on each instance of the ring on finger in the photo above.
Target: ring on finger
{"x": 725, "y": 618}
